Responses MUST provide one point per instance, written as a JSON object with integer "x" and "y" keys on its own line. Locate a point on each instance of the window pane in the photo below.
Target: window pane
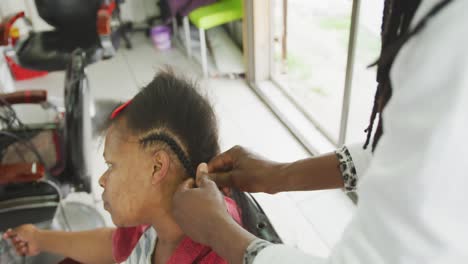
{"x": 312, "y": 72}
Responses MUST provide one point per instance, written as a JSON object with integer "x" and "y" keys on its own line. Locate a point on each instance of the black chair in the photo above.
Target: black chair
{"x": 94, "y": 26}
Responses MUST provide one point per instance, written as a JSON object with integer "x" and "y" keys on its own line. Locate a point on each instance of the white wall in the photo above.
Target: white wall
{"x": 132, "y": 10}
{"x": 8, "y": 7}
{"x": 139, "y": 10}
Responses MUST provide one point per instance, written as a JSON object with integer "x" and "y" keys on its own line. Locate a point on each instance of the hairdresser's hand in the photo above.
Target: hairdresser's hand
{"x": 244, "y": 170}
{"x": 24, "y": 238}
{"x": 196, "y": 209}
{"x": 202, "y": 214}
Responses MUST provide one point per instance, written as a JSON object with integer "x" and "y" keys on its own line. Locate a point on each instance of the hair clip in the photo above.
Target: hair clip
{"x": 120, "y": 109}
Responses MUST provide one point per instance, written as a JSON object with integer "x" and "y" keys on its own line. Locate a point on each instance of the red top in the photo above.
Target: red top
{"x": 125, "y": 239}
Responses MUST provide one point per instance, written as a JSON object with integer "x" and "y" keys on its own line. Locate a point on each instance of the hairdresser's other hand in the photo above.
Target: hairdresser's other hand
{"x": 202, "y": 214}
{"x": 197, "y": 210}
{"x": 24, "y": 238}
{"x": 245, "y": 170}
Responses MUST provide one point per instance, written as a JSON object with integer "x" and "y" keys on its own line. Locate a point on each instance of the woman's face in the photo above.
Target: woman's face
{"x": 129, "y": 190}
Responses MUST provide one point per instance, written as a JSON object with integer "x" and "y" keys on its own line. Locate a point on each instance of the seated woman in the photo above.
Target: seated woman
{"x": 154, "y": 142}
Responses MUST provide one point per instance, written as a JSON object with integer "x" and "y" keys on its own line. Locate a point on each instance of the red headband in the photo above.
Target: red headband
{"x": 120, "y": 109}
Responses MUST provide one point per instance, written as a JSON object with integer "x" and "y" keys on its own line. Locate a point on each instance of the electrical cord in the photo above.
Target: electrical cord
{"x": 26, "y": 143}
{"x": 11, "y": 115}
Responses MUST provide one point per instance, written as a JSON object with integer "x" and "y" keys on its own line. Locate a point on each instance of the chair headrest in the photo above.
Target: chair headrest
{"x": 69, "y": 15}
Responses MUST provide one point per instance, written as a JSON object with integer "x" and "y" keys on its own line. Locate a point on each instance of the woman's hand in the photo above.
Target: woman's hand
{"x": 25, "y": 240}
{"x": 244, "y": 170}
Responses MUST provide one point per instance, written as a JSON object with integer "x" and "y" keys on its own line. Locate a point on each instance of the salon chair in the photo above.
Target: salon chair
{"x": 43, "y": 161}
{"x": 95, "y": 26}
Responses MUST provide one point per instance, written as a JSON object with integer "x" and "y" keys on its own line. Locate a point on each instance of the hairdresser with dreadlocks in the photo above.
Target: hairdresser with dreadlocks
{"x": 411, "y": 183}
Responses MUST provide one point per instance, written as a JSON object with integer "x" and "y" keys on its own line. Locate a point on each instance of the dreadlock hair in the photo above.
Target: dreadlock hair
{"x": 396, "y": 31}
{"x": 170, "y": 111}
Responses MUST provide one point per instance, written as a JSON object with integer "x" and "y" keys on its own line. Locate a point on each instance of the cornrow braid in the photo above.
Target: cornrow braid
{"x": 397, "y": 17}
{"x": 163, "y": 137}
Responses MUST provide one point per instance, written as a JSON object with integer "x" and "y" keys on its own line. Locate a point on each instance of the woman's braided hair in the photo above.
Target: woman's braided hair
{"x": 175, "y": 147}
{"x": 170, "y": 110}
{"x": 396, "y": 31}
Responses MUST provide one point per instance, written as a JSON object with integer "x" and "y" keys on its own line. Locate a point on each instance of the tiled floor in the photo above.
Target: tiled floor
{"x": 312, "y": 221}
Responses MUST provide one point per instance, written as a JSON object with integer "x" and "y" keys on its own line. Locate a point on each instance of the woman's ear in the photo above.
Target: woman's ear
{"x": 161, "y": 164}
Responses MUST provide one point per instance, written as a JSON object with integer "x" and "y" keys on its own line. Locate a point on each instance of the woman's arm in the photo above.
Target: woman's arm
{"x": 248, "y": 172}
{"x": 94, "y": 246}
{"x": 202, "y": 214}
{"x": 315, "y": 173}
